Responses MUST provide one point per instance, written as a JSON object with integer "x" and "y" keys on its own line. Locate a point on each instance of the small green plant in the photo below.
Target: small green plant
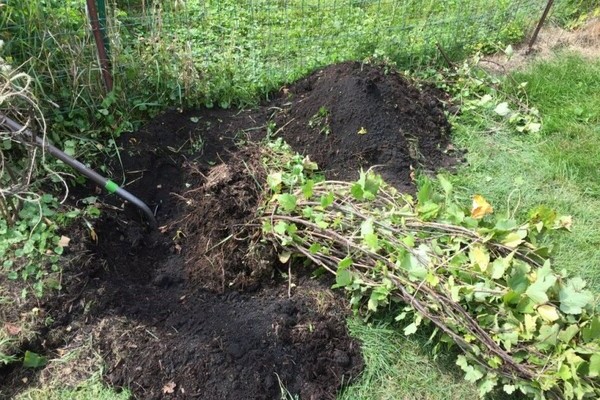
{"x": 475, "y": 91}
{"x": 321, "y": 120}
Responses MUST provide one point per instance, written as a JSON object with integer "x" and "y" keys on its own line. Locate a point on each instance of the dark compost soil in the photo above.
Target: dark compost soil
{"x": 197, "y": 309}
{"x": 351, "y": 116}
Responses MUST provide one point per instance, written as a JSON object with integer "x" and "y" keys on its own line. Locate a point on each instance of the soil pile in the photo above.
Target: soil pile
{"x": 351, "y": 116}
{"x": 185, "y": 312}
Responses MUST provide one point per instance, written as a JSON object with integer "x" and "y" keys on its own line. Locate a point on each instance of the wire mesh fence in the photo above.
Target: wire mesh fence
{"x": 200, "y": 52}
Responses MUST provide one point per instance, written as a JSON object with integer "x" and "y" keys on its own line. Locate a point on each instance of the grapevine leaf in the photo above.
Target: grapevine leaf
{"x": 284, "y": 256}
{"x": 573, "y": 297}
{"x": 327, "y": 200}
{"x": 568, "y": 333}
{"x": 548, "y": 312}
{"x": 545, "y": 279}
{"x": 594, "y": 365}
{"x": 428, "y": 210}
{"x": 471, "y": 373}
{"x": 480, "y": 257}
{"x": 502, "y": 109}
{"x": 509, "y": 389}
{"x": 357, "y": 191}
{"x": 343, "y": 278}
{"x": 307, "y": 189}
{"x": 372, "y": 241}
{"x": 480, "y": 207}
{"x": 274, "y": 181}
{"x": 410, "y": 329}
{"x": 345, "y": 263}
{"x": 287, "y": 201}
{"x": 280, "y": 228}
{"x": 314, "y": 248}
{"x": 592, "y": 331}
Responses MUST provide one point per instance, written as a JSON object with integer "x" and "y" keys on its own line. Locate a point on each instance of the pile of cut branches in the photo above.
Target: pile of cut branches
{"x": 482, "y": 281}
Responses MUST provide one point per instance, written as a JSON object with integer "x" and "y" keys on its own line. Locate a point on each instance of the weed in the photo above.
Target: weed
{"x": 321, "y": 120}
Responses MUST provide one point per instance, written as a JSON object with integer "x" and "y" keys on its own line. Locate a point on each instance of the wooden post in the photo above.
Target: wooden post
{"x": 104, "y": 62}
{"x": 539, "y": 26}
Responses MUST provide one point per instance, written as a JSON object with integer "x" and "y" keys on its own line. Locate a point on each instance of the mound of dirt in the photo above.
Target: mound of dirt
{"x": 351, "y": 116}
{"x": 190, "y": 310}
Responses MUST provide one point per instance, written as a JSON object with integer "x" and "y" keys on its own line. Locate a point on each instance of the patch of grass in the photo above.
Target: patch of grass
{"x": 558, "y": 167}
{"x": 399, "y": 368}
{"x": 90, "y": 389}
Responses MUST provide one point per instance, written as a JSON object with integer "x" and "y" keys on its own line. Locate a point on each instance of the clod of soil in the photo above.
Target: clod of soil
{"x": 191, "y": 310}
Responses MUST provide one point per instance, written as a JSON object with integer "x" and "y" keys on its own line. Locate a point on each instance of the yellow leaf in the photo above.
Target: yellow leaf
{"x": 480, "y": 257}
{"x": 548, "y": 312}
{"x": 169, "y": 388}
{"x": 93, "y": 235}
{"x": 63, "y": 241}
{"x": 481, "y": 207}
{"x": 362, "y": 130}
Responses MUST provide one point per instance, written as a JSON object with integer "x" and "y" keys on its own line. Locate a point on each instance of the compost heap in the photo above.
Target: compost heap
{"x": 200, "y": 308}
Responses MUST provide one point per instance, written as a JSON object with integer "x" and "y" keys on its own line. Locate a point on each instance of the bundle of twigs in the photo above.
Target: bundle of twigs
{"x": 461, "y": 279}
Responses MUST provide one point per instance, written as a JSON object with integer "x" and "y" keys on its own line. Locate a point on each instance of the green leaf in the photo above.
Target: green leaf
{"x": 280, "y": 228}
{"x": 314, "y": 248}
{"x": 33, "y": 360}
{"x": 327, "y": 200}
{"x": 568, "y": 333}
{"x": 518, "y": 282}
{"x": 548, "y": 336}
{"x": 502, "y": 109}
{"x": 410, "y": 329}
{"x": 498, "y": 268}
{"x": 425, "y": 192}
{"x": 428, "y": 210}
{"x": 545, "y": 280}
{"x": 372, "y": 241}
{"x": 307, "y": 189}
{"x": 345, "y": 263}
{"x": 471, "y": 373}
{"x": 287, "y": 201}
{"x": 366, "y": 227}
{"x": 573, "y": 297}
{"x": 445, "y": 183}
{"x": 592, "y": 330}
{"x": 372, "y": 186}
{"x": 514, "y": 239}
{"x": 505, "y": 225}
{"x": 509, "y": 389}
{"x": 343, "y": 278}
{"x": 411, "y": 264}
{"x": 274, "y": 181}
{"x": 357, "y": 191}
{"x": 486, "y": 386}
{"x": 594, "y": 367}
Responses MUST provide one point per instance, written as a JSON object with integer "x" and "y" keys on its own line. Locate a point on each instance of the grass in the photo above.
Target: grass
{"x": 557, "y": 168}
{"x": 402, "y": 368}
{"x": 516, "y": 172}
{"x": 91, "y": 389}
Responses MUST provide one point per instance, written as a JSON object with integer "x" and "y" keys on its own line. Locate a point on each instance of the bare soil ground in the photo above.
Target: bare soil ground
{"x": 551, "y": 40}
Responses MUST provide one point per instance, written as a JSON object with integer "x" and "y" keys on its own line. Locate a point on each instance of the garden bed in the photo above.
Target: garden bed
{"x": 190, "y": 310}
